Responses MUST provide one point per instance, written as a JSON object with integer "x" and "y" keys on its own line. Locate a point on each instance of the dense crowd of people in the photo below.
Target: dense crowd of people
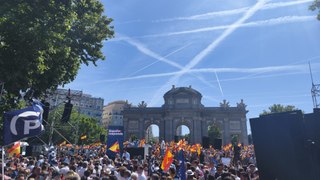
{"x": 232, "y": 162}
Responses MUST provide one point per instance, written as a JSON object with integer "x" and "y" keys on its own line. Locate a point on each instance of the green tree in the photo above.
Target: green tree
{"x": 316, "y": 6}
{"x": 234, "y": 139}
{"x": 276, "y": 108}
{"x": 44, "y": 42}
{"x": 77, "y": 126}
{"x": 214, "y": 132}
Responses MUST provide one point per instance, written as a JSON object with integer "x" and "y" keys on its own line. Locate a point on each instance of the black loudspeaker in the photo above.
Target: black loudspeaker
{"x": 135, "y": 152}
{"x": 312, "y": 142}
{"x": 311, "y": 121}
{"x": 217, "y": 144}
{"x": 45, "y": 116}
{"x": 102, "y": 138}
{"x": 67, "y": 112}
{"x": 279, "y": 143}
{"x": 29, "y": 151}
{"x": 205, "y": 142}
{"x": 176, "y": 139}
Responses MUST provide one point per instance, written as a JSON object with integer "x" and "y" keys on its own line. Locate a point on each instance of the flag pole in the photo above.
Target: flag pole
{"x": 2, "y": 166}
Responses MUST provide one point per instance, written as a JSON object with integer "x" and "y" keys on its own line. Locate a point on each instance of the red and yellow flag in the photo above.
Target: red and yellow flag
{"x": 83, "y": 137}
{"x": 227, "y": 147}
{"x": 14, "y": 151}
{"x": 63, "y": 143}
{"x": 95, "y": 144}
{"x": 142, "y": 142}
{"x": 115, "y": 147}
{"x": 167, "y": 160}
{"x": 181, "y": 144}
{"x": 198, "y": 149}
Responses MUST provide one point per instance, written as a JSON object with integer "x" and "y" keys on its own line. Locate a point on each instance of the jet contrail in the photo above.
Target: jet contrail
{"x": 152, "y": 54}
{"x": 219, "y": 83}
{"x": 206, "y": 15}
{"x": 199, "y": 57}
{"x": 173, "y": 52}
{"x": 215, "y": 14}
{"x": 268, "y": 22}
{"x": 264, "y": 76}
{"x": 291, "y": 68}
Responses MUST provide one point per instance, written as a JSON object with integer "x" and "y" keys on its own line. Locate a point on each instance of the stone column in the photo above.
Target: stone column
{"x": 197, "y": 131}
{"x": 168, "y": 130}
{"x": 162, "y": 129}
{"x": 142, "y": 130}
{"x": 226, "y": 132}
{"x": 244, "y": 133}
{"x": 204, "y": 127}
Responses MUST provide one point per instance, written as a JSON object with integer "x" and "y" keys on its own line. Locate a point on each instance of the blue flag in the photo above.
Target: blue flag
{"x": 182, "y": 168}
{"x": 22, "y": 123}
{"x": 115, "y": 140}
{"x": 214, "y": 161}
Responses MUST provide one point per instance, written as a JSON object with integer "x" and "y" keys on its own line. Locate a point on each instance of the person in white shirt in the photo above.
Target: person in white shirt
{"x": 83, "y": 168}
{"x": 162, "y": 147}
{"x": 65, "y": 169}
{"x": 126, "y": 154}
{"x": 140, "y": 173}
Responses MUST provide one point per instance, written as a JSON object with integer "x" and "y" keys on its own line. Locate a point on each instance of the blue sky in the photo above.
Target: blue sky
{"x": 257, "y": 51}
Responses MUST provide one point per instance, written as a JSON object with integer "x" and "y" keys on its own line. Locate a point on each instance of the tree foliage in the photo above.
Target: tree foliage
{"x": 44, "y": 42}
{"x": 77, "y": 126}
{"x": 277, "y": 108}
{"x": 214, "y": 132}
{"x": 316, "y": 6}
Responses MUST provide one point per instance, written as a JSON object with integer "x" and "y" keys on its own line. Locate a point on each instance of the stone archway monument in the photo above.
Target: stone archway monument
{"x": 182, "y": 106}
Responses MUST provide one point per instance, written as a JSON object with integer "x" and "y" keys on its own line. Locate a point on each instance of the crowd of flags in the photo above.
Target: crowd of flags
{"x": 19, "y": 124}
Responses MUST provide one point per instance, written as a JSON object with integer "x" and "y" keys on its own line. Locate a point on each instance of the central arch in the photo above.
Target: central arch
{"x": 182, "y": 132}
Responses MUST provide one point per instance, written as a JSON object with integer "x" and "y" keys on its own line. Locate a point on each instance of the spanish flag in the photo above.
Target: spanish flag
{"x": 14, "y": 150}
{"x": 63, "y": 143}
{"x": 142, "y": 142}
{"x": 83, "y": 137}
{"x": 198, "y": 149}
{"x": 167, "y": 160}
{"x": 181, "y": 144}
{"x": 115, "y": 147}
